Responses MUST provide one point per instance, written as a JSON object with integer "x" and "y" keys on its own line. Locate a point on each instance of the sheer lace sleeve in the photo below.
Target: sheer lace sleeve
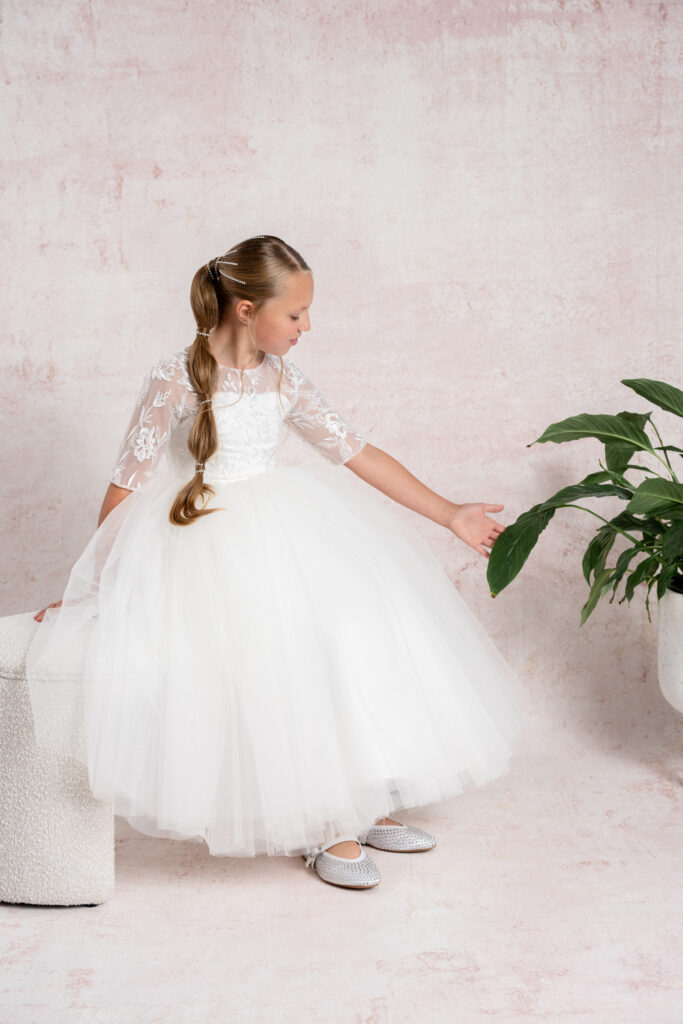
{"x": 159, "y": 405}
{"x": 315, "y": 421}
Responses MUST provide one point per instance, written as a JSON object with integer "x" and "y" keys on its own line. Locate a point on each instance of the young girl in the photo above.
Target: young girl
{"x": 259, "y": 656}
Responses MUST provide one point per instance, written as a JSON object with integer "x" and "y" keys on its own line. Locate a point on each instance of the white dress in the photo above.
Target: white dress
{"x": 281, "y": 671}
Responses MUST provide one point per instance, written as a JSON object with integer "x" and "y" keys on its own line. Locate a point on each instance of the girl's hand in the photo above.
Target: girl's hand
{"x": 470, "y": 523}
{"x": 39, "y": 615}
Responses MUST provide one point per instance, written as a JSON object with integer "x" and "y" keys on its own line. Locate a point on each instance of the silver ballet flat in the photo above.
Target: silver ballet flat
{"x": 397, "y": 838}
{"x": 352, "y": 873}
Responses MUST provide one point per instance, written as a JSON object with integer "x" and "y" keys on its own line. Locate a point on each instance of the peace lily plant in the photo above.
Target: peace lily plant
{"x": 652, "y": 520}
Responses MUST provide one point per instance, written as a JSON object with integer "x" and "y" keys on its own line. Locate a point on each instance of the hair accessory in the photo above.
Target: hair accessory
{"x": 199, "y": 467}
{"x": 205, "y": 334}
{"x": 239, "y": 281}
{"x": 216, "y": 271}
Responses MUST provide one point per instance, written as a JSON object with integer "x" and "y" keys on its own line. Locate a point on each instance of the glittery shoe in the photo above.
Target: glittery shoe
{"x": 351, "y": 873}
{"x": 397, "y": 838}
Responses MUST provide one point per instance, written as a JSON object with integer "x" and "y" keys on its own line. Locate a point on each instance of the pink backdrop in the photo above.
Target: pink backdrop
{"x": 490, "y": 197}
{"x": 490, "y": 203}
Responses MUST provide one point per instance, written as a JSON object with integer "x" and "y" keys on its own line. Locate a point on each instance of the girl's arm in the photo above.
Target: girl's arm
{"x": 468, "y": 522}
{"x": 112, "y": 498}
{"x": 315, "y": 420}
{"x": 159, "y": 401}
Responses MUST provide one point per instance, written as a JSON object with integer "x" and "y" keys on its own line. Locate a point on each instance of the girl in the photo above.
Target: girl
{"x": 259, "y": 656}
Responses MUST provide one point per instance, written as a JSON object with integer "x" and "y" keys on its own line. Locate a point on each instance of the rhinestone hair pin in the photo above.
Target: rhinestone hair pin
{"x": 220, "y": 259}
{"x": 239, "y": 280}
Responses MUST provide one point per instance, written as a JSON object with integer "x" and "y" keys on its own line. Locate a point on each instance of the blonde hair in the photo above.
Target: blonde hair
{"x": 255, "y": 269}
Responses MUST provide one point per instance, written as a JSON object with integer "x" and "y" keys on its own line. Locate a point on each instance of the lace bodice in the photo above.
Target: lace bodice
{"x": 251, "y": 427}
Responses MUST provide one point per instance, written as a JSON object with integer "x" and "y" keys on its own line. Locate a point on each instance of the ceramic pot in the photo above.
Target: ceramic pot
{"x": 670, "y": 647}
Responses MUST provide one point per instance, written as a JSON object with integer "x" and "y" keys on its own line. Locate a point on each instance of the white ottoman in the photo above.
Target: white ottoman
{"x": 56, "y": 839}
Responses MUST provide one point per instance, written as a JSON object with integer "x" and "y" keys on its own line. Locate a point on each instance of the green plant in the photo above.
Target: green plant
{"x": 652, "y": 519}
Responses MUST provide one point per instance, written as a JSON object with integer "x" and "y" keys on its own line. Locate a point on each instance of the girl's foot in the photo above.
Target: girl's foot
{"x": 387, "y": 834}
{"x": 351, "y": 850}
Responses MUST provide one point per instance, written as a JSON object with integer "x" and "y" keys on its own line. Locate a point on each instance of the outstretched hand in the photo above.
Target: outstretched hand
{"x": 470, "y": 523}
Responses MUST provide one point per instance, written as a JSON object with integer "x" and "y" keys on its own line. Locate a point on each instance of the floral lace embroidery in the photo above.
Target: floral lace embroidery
{"x": 251, "y": 426}
{"x": 317, "y": 422}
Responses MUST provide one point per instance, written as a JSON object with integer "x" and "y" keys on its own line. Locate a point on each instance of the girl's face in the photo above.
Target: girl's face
{"x": 280, "y": 321}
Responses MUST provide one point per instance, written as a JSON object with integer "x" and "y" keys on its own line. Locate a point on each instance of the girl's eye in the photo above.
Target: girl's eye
{"x": 294, "y": 317}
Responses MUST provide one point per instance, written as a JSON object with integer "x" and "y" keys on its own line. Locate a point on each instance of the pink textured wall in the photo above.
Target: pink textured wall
{"x": 489, "y": 195}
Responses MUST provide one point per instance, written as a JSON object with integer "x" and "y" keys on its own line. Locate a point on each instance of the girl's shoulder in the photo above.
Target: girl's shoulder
{"x": 172, "y": 369}
{"x": 291, "y": 370}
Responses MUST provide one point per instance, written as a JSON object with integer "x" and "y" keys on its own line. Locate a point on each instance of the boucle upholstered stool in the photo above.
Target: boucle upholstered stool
{"x": 56, "y": 839}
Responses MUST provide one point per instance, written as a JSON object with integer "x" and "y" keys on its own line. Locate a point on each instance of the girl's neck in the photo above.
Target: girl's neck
{"x": 234, "y": 348}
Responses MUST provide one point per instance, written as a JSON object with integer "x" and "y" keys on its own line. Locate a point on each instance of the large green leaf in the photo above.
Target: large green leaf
{"x": 600, "y": 477}
{"x": 618, "y": 453}
{"x": 649, "y": 527}
{"x": 666, "y": 396}
{"x": 575, "y": 492}
{"x": 643, "y": 571}
{"x": 608, "y": 429}
{"x": 643, "y": 469}
{"x": 665, "y": 577}
{"x": 620, "y": 568}
{"x": 513, "y": 546}
{"x": 672, "y": 541}
{"x": 597, "y": 551}
{"x": 656, "y": 495}
{"x": 600, "y": 586}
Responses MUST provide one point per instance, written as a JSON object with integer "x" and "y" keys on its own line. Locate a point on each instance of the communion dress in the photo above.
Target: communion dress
{"x": 284, "y": 670}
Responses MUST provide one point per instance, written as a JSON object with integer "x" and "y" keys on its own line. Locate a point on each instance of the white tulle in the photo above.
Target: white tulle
{"x": 291, "y": 667}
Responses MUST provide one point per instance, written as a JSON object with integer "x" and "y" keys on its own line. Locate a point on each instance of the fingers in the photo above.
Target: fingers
{"x": 39, "y": 616}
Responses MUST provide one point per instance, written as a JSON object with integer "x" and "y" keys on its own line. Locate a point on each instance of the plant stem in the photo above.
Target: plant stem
{"x": 638, "y": 543}
{"x": 653, "y": 452}
{"x": 632, "y": 465}
{"x": 666, "y": 454}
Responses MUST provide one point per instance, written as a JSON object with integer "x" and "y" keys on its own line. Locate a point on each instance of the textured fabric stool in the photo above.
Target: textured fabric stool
{"x": 56, "y": 839}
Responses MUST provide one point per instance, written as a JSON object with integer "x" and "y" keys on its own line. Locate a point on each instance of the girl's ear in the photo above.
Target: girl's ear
{"x": 244, "y": 310}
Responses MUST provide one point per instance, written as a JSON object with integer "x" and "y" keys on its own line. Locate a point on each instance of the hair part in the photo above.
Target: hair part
{"x": 261, "y": 264}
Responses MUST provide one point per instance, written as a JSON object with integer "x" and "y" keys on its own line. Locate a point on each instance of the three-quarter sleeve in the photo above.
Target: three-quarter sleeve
{"x": 316, "y": 422}
{"x": 157, "y": 409}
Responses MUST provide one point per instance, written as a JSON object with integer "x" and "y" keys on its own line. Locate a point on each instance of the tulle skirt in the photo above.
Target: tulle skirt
{"x": 282, "y": 671}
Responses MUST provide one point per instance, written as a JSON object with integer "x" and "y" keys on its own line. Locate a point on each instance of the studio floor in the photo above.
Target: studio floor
{"x": 554, "y": 894}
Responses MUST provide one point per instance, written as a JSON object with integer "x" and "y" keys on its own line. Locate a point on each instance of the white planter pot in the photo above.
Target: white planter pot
{"x": 670, "y": 647}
